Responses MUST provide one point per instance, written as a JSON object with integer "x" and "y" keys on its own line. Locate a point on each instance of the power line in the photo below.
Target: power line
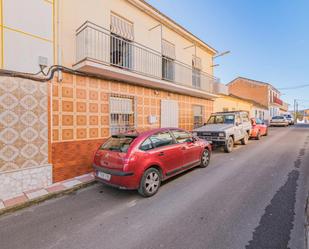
{"x": 294, "y": 87}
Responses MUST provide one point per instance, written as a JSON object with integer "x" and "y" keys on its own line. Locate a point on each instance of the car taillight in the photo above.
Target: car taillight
{"x": 126, "y": 161}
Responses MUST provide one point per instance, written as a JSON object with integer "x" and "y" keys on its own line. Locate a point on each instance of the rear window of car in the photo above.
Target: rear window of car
{"x": 278, "y": 117}
{"x": 118, "y": 143}
{"x": 182, "y": 136}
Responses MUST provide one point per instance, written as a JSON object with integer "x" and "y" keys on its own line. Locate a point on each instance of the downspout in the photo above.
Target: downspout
{"x": 59, "y": 47}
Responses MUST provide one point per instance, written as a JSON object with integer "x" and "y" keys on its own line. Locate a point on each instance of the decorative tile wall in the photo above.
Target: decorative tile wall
{"x": 81, "y": 118}
{"x": 23, "y": 125}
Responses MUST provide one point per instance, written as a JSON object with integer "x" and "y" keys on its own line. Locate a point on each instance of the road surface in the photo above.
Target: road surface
{"x": 253, "y": 198}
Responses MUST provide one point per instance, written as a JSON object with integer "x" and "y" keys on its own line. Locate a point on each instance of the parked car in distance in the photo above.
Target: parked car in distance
{"x": 259, "y": 128}
{"x": 143, "y": 160}
{"x": 279, "y": 121}
{"x": 290, "y": 118}
{"x": 226, "y": 128}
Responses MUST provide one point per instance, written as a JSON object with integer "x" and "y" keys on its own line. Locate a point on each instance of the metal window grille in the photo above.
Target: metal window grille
{"x": 168, "y": 69}
{"x": 122, "y": 114}
{"x": 198, "y": 114}
{"x": 121, "y": 52}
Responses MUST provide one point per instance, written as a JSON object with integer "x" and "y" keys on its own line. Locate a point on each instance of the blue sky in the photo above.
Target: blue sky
{"x": 268, "y": 39}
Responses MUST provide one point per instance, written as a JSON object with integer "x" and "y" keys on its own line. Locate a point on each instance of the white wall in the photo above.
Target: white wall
{"x": 28, "y": 34}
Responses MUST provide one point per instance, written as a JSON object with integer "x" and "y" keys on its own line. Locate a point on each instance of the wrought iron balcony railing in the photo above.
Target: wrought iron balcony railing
{"x": 98, "y": 44}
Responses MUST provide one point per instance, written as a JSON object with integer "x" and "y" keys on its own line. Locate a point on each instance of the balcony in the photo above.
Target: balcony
{"x": 100, "y": 52}
{"x": 277, "y": 101}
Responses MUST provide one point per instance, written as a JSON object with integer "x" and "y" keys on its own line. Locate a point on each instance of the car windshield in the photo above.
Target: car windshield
{"x": 278, "y": 117}
{"x": 118, "y": 143}
{"x": 221, "y": 119}
{"x": 288, "y": 116}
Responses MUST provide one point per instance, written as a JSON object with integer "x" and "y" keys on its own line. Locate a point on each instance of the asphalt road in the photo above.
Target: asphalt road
{"x": 253, "y": 198}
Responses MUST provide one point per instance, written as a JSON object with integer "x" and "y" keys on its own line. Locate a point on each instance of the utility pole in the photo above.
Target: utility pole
{"x": 295, "y": 114}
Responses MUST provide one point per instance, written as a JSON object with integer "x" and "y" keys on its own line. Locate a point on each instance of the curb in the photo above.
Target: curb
{"x": 43, "y": 198}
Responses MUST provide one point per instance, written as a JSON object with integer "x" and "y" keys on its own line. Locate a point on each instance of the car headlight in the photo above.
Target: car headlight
{"x": 221, "y": 134}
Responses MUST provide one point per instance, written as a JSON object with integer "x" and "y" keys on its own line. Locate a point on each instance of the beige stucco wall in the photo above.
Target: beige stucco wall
{"x": 26, "y": 30}
{"x": 231, "y": 103}
{"x": 74, "y": 13}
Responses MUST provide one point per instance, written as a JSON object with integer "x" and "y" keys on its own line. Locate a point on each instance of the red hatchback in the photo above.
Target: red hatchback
{"x": 142, "y": 160}
{"x": 259, "y": 128}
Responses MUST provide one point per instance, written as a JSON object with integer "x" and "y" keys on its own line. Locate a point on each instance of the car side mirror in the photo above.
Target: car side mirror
{"x": 194, "y": 139}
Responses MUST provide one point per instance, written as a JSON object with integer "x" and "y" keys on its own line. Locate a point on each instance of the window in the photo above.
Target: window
{"x": 221, "y": 119}
{"x": 198, "y": 116}
{"x": 122, "y": 118}
{"x": 182, "y": 136}
{"x": 161, "y": 139}
{"x": 168, "y": 69}
{"x": 146, "y": 145}
{"x": 118, "y": 143}
{"x": 196, "y": 71}
{"x": 196, "y": 78}
{"x": 168, "y": 61}
{"x": 121, "y": 52}
{"x": 121, "y": 48}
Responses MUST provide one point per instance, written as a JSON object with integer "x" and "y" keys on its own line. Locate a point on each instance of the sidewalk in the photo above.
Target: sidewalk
{"x": 36, "y": 195}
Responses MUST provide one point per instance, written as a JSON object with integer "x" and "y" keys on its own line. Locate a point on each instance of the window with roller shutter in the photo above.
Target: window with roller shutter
{"x": 122, "y": 114}
{"x": 121, "y": 47}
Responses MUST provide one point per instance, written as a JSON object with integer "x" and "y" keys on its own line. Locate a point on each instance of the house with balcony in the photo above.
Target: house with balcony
{"x": 141, "y": 70}
{"x": 128, "y": 66}
{"x": 263, "y": 93}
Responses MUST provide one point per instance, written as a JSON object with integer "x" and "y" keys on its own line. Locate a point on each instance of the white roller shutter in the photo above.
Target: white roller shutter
{"x": 169, "y": 113}
{"x": 122, "y": 27}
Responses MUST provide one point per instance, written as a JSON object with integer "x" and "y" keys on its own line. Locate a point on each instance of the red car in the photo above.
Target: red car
{"x": 259, "y": 128}
{"x": 143, "y": 160}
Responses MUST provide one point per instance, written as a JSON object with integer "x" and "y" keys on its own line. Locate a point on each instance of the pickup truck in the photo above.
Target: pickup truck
{"x": 226, "y": 128}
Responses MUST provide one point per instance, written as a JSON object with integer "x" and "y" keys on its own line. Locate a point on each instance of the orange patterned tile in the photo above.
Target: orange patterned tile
{"x": 81, "y": 133}
{"x": 93, "y": 132}
{"x": 55, "y": 120}
{"x": 93, "y": 120}
{"x": 81, "y": 120}
{"x": 93, "y": 107}
{"x": 105, "y": 108}
{"x": 67, "y": 92}
{"x": 55, "y": 105}
{"x": 104, "y": 96}
{"x": 93, "y": 95}
{"x": 81, "y": 107}
{"x": 67, "y": 134}
{"x": 105, "y": 120}
{"x": 81, "y": 93}
{"x": 104, "y": 132}
{"x": 67, "y": 120}
{"x": 67, "y": 106}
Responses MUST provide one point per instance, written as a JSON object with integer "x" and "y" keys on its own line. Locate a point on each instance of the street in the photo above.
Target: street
{"x": 252, "y": 198}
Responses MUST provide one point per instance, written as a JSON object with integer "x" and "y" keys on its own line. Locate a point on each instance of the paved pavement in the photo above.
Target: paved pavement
{"x": 253, "y": 198}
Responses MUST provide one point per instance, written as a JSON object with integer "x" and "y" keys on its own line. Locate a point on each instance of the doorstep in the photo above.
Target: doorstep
{"x": 37, "y": 195}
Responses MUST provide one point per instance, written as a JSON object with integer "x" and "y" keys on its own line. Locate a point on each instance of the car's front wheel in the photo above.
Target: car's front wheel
{"x": 205, "y": 158}
{"x": 150, "y": 182}
{"x": 228, "y": 147}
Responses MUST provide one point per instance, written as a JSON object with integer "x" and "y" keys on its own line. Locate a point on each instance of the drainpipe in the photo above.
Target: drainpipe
{"x": 59, "y": 47}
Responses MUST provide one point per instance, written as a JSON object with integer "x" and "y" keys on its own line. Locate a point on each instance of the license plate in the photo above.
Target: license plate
{"x": 104, "y": 176}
